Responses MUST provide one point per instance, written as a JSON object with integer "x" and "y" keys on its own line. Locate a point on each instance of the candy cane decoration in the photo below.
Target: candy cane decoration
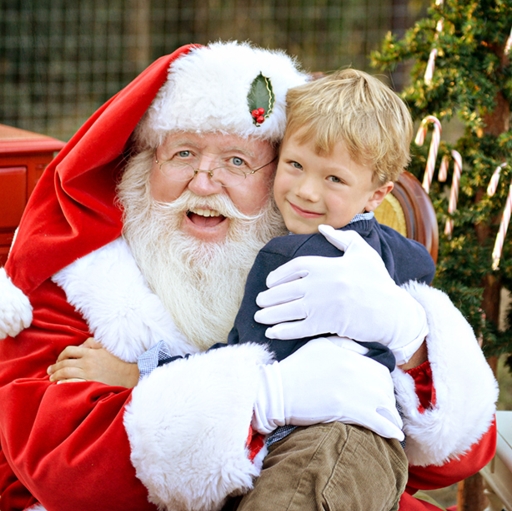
{"x": 454, "y": 191}
{"x": 493, "y": 183}
{"x": 431, "y": 64}
{"x": 508, "y": 44}
{"x": 429, "y": 71}
{"x": 434, "y": 146}
{"x": 500, "y": 238}
{"x": 442, "y": 174}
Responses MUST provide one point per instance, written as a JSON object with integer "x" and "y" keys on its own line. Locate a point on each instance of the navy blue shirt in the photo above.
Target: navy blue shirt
{"x": 404, "y": 259}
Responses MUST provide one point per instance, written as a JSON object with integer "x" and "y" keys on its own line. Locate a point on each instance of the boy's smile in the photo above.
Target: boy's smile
{"x": 312, "y": 189}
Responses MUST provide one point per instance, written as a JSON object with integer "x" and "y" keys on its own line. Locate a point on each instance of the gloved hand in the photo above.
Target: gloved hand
{"x": 351, "y": 296}
{"x": 322, "y": 382}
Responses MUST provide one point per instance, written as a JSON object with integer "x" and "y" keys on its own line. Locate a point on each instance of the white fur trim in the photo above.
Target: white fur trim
{"x": 107, "y": 287}
{"x": 207, "y": 91}
{"x": 36, "y": 507}
{"x": 465, "y": 387}
{"x": 15, "y": 308}
{"x": 188, "y": 424}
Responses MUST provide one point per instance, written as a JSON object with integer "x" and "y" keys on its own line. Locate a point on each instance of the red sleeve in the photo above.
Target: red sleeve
{"x": 433, "y": 477}
{"x": 66, "y": 443}
{"x": 410, "y": 503}
{"x": 422, "y": 376}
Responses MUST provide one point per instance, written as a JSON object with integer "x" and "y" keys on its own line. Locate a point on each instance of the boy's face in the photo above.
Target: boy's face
{"x": 312, "y": 189}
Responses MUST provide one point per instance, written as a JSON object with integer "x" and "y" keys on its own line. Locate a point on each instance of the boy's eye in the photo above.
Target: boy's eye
{"x": 296, "y": 165}
{"x": 334, "y": 179}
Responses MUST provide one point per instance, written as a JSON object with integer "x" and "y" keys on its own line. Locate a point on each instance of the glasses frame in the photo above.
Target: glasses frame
{"x": 211, "y": 171}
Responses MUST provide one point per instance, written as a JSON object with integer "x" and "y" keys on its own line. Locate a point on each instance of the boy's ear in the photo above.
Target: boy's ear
{"x": 378, "y": 196}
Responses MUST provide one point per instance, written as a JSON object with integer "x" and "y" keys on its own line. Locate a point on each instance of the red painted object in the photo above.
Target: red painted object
{"x": 23, "y": 157}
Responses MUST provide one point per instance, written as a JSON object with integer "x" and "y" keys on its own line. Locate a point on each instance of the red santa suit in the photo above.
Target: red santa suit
{"x": 179, "y": 440}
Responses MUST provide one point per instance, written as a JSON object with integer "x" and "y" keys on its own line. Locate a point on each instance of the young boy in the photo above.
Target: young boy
{"x": 347, "y": 139}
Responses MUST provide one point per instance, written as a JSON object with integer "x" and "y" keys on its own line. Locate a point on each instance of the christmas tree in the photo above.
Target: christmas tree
{"x": 461, "y": 74}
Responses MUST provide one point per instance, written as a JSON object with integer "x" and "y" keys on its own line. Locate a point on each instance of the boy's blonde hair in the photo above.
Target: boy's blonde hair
{"x": 360, "y": 110}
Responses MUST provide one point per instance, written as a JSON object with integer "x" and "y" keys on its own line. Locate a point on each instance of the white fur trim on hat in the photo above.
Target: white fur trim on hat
{"x": 465, "y": 388}
{"x": 15, "y": 308}
{"x": 207, "y": 91}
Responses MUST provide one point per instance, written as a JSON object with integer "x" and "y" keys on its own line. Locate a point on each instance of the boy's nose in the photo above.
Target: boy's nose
{"x": 308, "y": 189}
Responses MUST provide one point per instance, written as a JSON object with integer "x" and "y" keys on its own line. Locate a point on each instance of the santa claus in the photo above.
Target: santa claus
{"x": 109, "y": 247}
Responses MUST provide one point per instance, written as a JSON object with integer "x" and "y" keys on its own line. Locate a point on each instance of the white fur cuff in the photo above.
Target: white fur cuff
{"x": 15, "y": 308}
{"x": 188, "y": 424}
{"x": 465, "y": 388}
{"x": 107, "y": 287}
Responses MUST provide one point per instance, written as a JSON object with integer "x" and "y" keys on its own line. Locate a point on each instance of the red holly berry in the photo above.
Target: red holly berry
{"x": 255, "y": 113}
{"x": 261, "y": 111}
{"x": 260, "y": 119}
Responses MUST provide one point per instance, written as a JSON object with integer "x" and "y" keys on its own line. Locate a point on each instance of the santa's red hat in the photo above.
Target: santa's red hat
{"x": 223, "y": 87}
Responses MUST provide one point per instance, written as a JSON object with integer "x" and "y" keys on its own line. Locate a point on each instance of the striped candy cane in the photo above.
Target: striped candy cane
{"x": 442, "y": 174}
{"x": 508, "y": 44}
{"x": 434, "y": 146}
{"x": 431, "y": 64}
{"x": 493, "y": 183}
{"x": 500, "y": 238}
{"x": 454, "y": 191}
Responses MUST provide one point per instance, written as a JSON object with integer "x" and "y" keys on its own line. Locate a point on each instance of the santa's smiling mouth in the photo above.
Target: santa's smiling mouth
{"x": 205, "y": 217}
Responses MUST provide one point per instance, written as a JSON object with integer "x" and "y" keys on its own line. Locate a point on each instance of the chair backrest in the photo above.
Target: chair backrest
{"x": 409, "y": 210}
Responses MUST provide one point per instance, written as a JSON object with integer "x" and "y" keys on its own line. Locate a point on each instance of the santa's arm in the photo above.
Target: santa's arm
{"x": 78, "y": 446}
{"x": 432, "y": 477}
{"x": 449, "y": 413}
{"x": 204, "y": 405}
{"x": 463, "y": 393}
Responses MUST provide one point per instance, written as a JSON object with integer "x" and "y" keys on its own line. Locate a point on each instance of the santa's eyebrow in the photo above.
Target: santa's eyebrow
{"x": 182, "y": 141}
{"x": 237, "y": 149}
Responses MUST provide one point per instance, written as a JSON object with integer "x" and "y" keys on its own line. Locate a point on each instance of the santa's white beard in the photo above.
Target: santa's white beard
{"x": 200, "y": 283}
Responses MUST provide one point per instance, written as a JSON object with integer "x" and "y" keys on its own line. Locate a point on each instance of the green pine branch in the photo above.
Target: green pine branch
{"x": 472, "y": 83}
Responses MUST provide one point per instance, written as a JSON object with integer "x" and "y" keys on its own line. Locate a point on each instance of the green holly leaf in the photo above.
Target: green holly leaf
{"x": 260, "y": 96}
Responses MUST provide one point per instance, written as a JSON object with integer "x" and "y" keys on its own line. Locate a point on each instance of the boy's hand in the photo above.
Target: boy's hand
{"x": 352, "y": 296}
{"x": 91, "y": 362}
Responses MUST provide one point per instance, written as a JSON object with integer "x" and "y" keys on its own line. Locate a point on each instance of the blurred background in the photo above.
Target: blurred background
{"x": 61, "y": 59}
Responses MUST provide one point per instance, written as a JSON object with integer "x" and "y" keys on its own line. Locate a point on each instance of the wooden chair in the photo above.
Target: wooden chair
{"x": 408, "y": 210}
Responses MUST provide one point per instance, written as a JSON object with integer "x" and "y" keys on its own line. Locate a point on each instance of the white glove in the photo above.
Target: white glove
{"x": 351, "y": 296}
{"x": 322, "y": 382}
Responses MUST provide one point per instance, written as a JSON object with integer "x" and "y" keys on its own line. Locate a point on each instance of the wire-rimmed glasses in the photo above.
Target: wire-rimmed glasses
{"x": 231, "y": 173}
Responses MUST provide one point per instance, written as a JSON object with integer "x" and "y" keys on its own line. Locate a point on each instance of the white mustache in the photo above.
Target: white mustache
{"x": 189, "y": 201}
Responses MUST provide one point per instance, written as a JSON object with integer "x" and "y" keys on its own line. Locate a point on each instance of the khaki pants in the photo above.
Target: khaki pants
{"x": 328, "y": 467}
